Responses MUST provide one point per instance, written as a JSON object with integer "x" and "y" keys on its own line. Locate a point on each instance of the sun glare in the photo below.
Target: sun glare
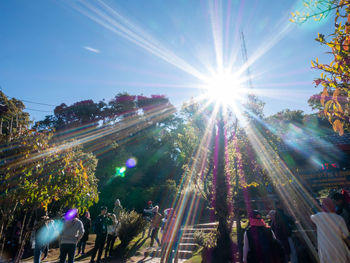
{"x": 225, "y": 88}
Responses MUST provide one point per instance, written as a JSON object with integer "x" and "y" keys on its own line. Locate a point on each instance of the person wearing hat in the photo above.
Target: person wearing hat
{"x": 260, "y": 244}
{"x": 100, "y": 229}
{"x": 331, "y": 234}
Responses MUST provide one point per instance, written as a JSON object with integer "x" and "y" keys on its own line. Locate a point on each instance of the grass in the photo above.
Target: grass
{"x": 196, "y": 258}
{"x": 136, "y": 244}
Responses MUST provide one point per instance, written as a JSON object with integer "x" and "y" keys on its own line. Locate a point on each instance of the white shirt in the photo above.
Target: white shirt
{"x": 331, "y": 229}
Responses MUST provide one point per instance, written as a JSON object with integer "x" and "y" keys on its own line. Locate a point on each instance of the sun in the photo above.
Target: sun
{"x": 225, "y": 88}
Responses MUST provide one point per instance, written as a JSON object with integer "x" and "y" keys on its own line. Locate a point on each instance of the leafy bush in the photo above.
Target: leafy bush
{"x": 206, "y": 240}
{"x": 131, "y": 224}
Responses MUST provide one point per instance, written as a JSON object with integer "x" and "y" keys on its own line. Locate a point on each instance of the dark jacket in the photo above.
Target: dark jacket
{"x": 87, "y": 225}
{"x": 282, "y": 227}
{"x": 344, "y": 211}
{"x": 100, "y": 225}
{"x": 263, "y": 247}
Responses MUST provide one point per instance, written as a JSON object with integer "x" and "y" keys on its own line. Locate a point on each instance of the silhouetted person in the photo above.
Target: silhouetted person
{"x": 87, "y": 225}
{"x": 100, "y": 229}
{"x": 281, "y": 224}
{"x": 260, "y": 244}
{"x": 342, "y": 207}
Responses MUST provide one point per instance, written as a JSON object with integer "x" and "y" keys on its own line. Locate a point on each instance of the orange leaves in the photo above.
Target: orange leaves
{"x": 336, "y": 94}
{"x": 324, "y": 95}
{"x": 338, "y": 127}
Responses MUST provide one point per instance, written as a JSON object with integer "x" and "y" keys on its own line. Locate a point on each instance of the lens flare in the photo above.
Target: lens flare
{"x": 120, "y": 171}
{"x": 225, "y": 87}
{"x": 72, "y": 213}
{"x": 50, "y": 231}
{"x": 131, "y": 163}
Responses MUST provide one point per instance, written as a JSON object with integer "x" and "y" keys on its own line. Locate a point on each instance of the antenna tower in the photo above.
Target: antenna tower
{"x": 245, "y": 59}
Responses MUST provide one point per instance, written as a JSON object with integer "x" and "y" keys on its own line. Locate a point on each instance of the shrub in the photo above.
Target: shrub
{"x": 206, "y": 240}
{"x": 131, "y": 224}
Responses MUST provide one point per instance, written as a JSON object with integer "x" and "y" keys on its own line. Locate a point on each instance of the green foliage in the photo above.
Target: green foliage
{"x": 12, "y": 118}
{"x": 333, "y": 101}
{"x": 315, "y": 9}
{"x": 205, "y": 239}
{"x": 42, "y": 173}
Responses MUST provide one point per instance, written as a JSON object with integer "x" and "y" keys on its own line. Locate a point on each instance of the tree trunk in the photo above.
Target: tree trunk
{"x": 25, "y": 234}
{"x": 2, "y": 237}
{"x": 223, "y": 251}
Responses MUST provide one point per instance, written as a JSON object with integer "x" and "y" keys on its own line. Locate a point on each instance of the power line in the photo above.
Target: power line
{"x": 38, "y": 110}
{"x": 39, "y": 103}
{"x": 29, "y": 101}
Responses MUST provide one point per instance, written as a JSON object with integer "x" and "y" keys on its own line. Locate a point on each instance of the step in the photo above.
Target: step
{"x": 188, "y": 235}
{"x": 192, "y": 230}
{"x": 188, "y": 246}
{"x": 182, "y": 254}
{"x": 207, "y": 225}
{"x": 187, "y": 240}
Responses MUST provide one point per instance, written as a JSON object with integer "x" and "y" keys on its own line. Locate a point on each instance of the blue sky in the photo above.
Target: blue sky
{"x": 53, "y": 51}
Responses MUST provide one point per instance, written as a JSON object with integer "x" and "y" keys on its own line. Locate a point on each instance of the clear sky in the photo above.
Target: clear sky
{"x": 65, "y": 51}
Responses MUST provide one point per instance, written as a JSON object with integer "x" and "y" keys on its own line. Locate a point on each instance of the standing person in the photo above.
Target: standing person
{"x": 331, "y": 232}
{"x": 87, "y": 225}
{"x": 342, "y": 208}
{"x": 281, "y": 224}
{"x": 155, "y": 225}
{"x": 41, "y": 237}
{"x": 50, "y": 224}
{"x": 100, "y": 229}
{"x": 260, "y": 244}
{"x": 117, "y": 209}
{"x": 73, "y": 231}
{"x": 112, "y": 232}
{"x": 147, "y": 214}
{"x": 170, "y": 239}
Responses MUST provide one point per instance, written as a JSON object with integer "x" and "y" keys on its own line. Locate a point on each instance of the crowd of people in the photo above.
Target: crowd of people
{"x": 71, "y": 233}
{"x": 273, "y": 242}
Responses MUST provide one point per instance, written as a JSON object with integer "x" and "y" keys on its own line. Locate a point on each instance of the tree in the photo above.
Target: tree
{"x": 34, "y": 173}
{"x": 12, "y": 117}
{"x": 334, "y": 100}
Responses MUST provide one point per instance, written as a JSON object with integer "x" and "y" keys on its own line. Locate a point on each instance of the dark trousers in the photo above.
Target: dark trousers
{"x": 46, "y": 251}
{"x": 67, "y": 249}
{"x": 110, "y": 243}
{"x": 81, "y": 246}
{"x": 154, "y": 236}
{"x": 37, "y": 253}
{"x": 99, "y": 244}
